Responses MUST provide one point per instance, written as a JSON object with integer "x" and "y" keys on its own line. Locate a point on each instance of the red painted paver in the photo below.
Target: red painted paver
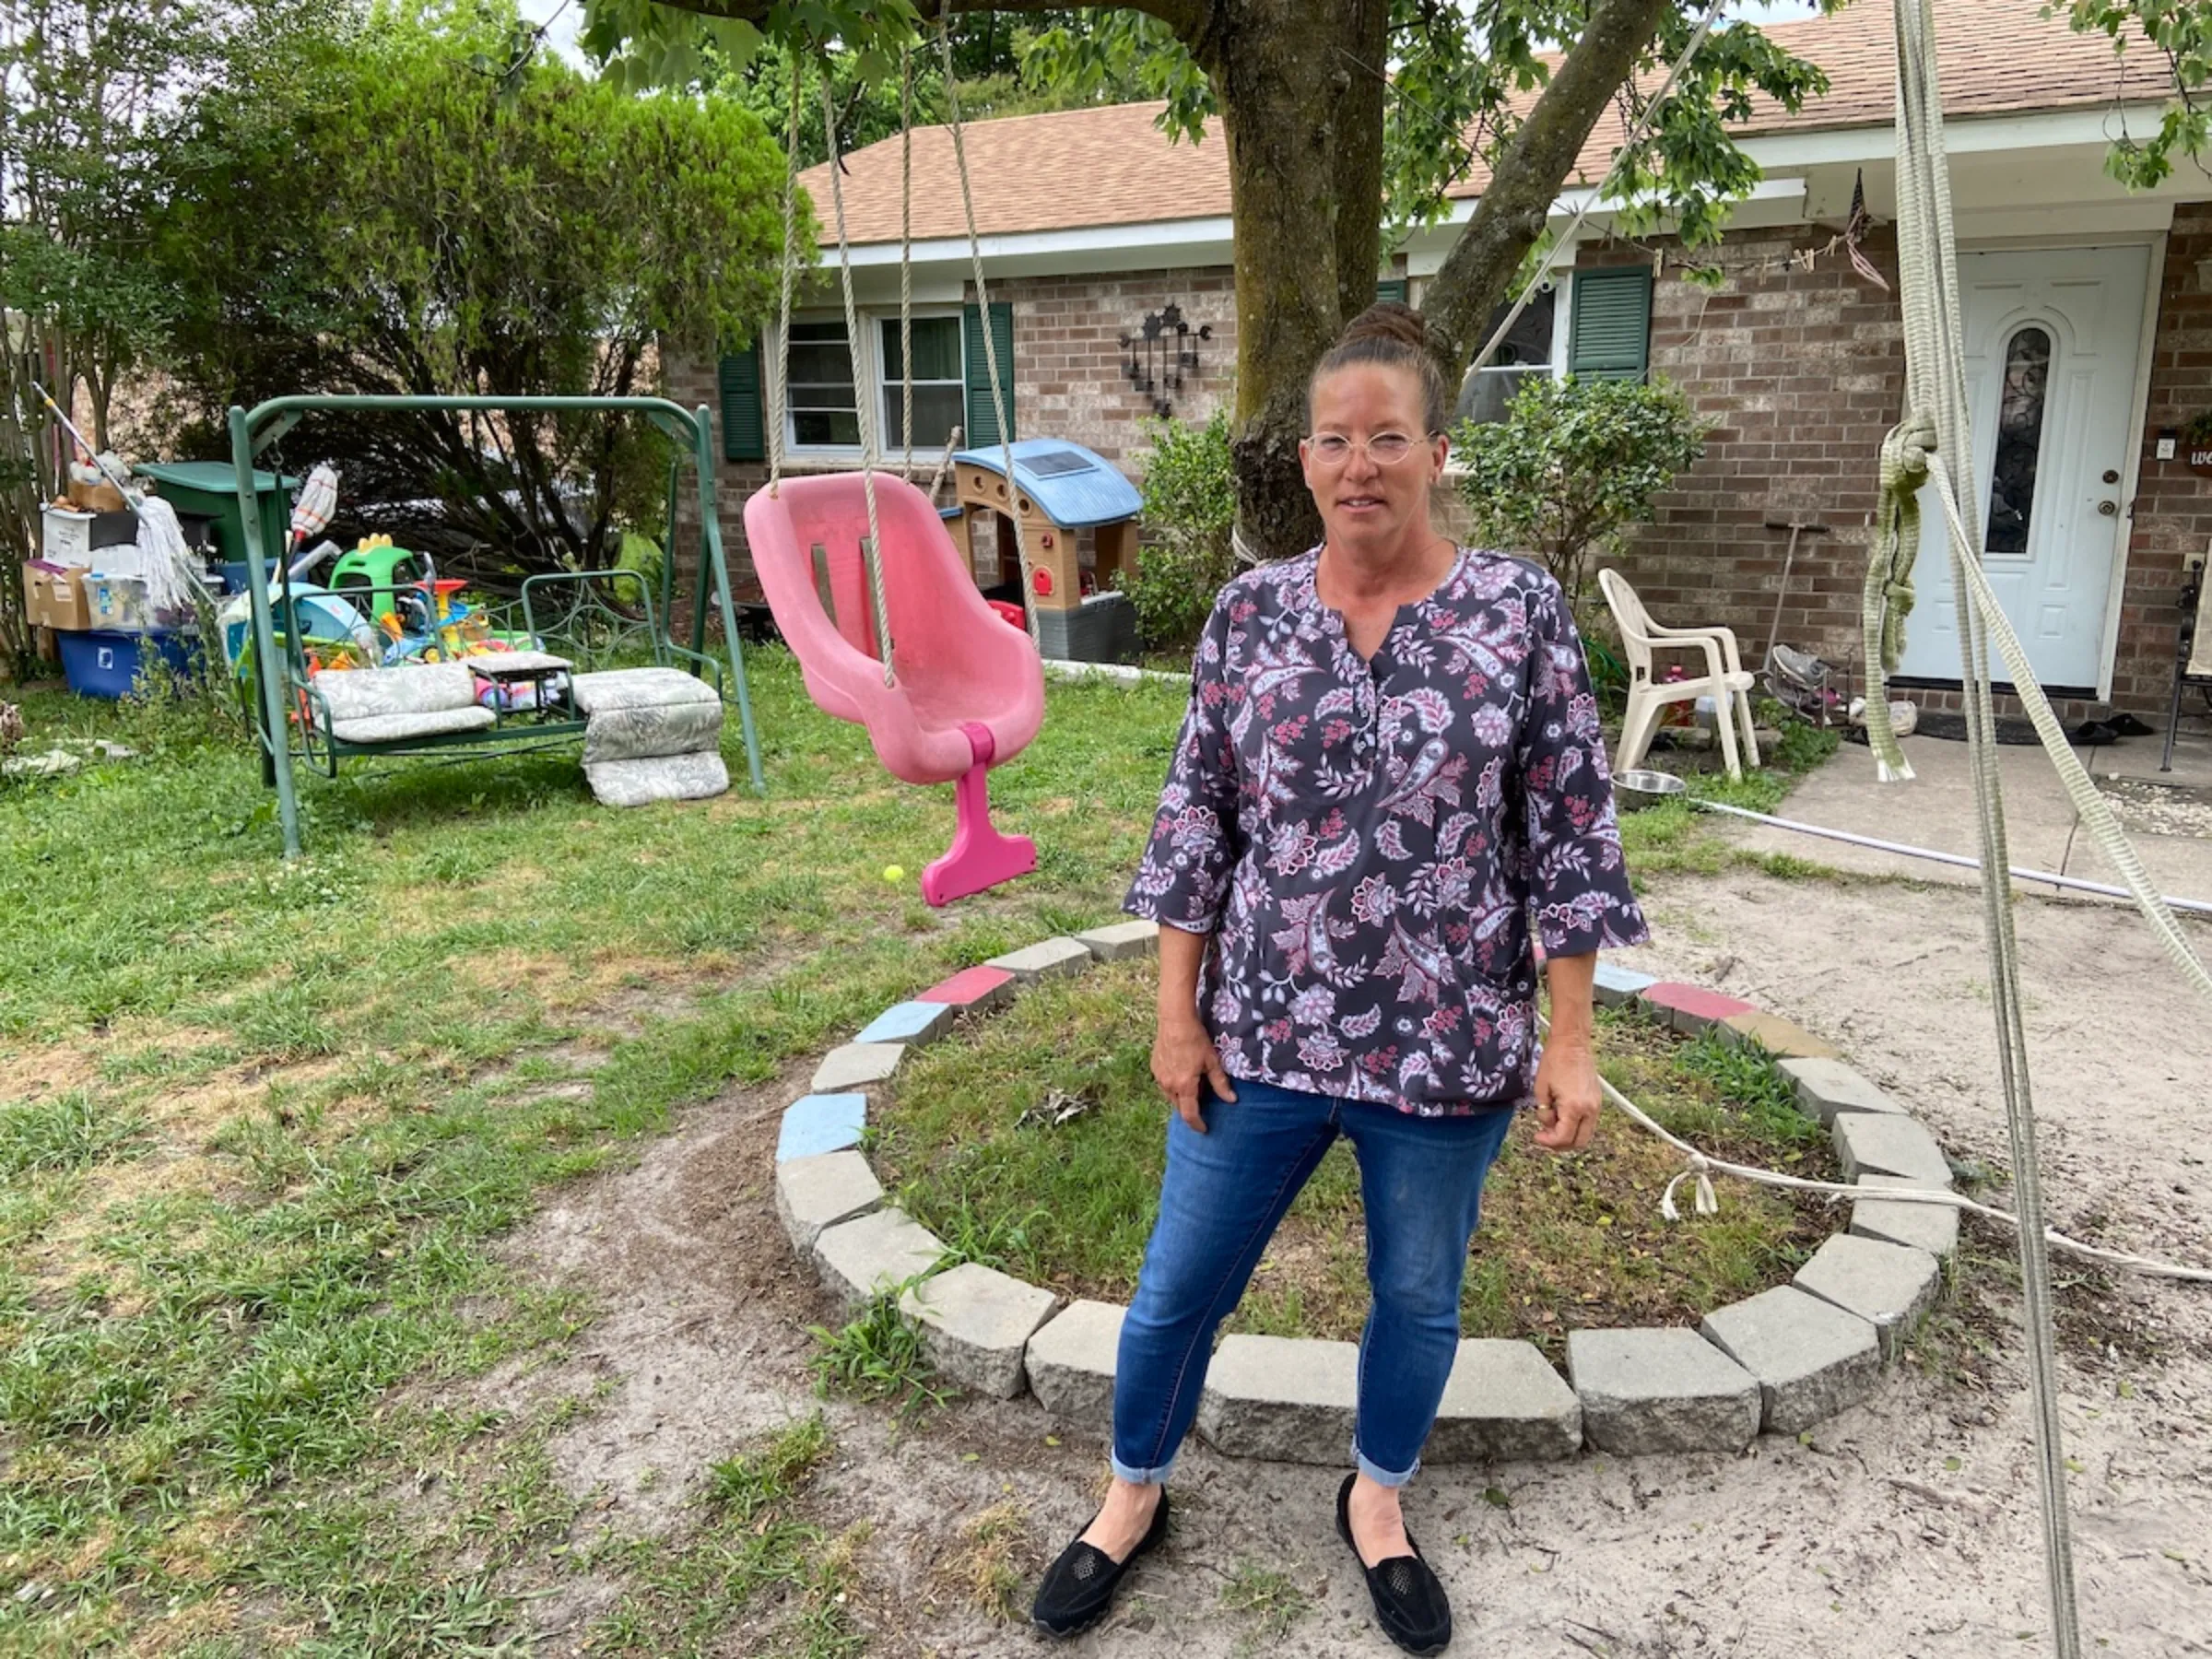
{"x": 971, "y": 988}
{"x": 1690, "y": 1009}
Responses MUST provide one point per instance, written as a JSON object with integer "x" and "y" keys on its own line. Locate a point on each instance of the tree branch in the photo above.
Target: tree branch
{"x": 1526, "y": 180}
{"x": 1186, "y": 18}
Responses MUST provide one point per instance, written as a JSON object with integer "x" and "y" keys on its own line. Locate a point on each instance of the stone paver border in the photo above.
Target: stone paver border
{"x": 1779, "y": 1361}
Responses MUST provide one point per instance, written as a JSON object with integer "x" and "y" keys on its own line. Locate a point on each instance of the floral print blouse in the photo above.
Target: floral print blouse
{"x": 1369, "y": 840}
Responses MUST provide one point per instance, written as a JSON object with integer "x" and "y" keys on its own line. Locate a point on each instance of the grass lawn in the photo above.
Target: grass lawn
{"x": 262, "y": 1128}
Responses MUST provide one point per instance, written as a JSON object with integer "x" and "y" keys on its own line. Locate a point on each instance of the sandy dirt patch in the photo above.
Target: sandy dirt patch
{"x": 1906, "y": 1526}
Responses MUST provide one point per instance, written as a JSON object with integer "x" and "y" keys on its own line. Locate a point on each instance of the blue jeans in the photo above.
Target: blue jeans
{"x": 1224, "y": 1191}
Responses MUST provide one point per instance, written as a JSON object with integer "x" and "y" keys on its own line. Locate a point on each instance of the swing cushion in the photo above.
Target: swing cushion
{"x": 957, "y": 664}
{"x": 409, "y": 688}
{"x": 640, "y": 689}
{"x": 399, "y": 728}
{"x": 392, "y": 705}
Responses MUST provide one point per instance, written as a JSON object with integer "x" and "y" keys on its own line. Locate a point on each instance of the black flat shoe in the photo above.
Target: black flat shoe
{"x": 1410, "y": 1602}
{"x": 1078, "y": 1588}
{"x": 2130, "y": 726}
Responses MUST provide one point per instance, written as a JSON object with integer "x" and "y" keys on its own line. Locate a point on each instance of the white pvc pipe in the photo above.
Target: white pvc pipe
{"x": 2195, "y": 907}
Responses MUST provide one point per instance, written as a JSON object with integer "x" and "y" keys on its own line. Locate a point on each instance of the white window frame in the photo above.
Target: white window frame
{"x": 826, "y": 451}
{"x": 876, "y": 382}
{"x": 1562, "y": 315}
{"x": 888, "y": 388}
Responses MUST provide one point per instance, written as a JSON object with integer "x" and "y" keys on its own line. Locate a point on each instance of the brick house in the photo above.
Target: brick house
{"x": 2087, "y": 314}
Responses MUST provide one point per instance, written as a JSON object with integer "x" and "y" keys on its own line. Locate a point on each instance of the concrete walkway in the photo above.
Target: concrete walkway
{"x": 2168, "y": 816}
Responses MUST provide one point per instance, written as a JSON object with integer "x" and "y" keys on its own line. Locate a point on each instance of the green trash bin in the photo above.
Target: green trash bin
{"x": 208, "y": 490}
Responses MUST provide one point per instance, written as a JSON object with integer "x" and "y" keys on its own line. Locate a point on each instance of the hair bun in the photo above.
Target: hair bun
{"x": 1388, "y": 320}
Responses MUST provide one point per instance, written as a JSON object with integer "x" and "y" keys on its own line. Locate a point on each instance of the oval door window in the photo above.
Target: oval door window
{"x": 2019, "y": 439}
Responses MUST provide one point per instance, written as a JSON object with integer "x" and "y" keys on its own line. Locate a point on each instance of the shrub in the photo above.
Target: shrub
{"x": 1190, "y": 487}
{"x": 1573, "y": 465}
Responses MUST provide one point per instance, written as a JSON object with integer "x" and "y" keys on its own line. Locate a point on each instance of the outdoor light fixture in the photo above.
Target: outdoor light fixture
{"x": 1163, "y": 349}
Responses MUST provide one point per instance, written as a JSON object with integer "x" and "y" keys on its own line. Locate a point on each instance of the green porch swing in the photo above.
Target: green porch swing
{"x": 593, "y": 613}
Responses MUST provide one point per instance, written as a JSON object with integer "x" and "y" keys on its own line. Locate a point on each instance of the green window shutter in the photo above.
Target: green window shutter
{"x": 983, "y": 422}
{"x": 744, "y": 410}
{"x": 1611, "y": 336}
{"x": 1394, "y": 289}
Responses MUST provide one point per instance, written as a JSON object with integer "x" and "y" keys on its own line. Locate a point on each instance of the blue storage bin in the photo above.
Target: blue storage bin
{"x": 103, "y": 662}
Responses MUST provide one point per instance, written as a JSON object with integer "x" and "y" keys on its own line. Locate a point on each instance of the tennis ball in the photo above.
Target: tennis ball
{"x": 893, "y": 873}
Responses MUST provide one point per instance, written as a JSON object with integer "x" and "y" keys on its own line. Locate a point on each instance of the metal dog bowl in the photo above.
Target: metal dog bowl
{"x": 1639, "y": 788}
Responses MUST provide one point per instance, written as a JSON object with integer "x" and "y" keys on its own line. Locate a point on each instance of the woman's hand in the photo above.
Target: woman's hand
{"x": 1184, "y": 1054}
{"x": 1567, "y": 1096}
{"x": 1183, "y": 1057}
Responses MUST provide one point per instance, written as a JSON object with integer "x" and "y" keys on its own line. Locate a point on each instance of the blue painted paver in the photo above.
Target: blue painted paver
{"x": 821, "y": 1123}
{"x": 912, "y": 1022}
{"x": 1615, "y": 985}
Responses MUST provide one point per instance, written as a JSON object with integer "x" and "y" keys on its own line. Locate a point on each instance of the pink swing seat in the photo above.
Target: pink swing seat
{"x": 970, "y": 691}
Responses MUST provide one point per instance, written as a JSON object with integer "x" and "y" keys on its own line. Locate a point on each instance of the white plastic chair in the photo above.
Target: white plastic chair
{"x": 1724, "y": 680}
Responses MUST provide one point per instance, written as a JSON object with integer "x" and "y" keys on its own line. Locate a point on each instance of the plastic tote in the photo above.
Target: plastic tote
{"x": 103, "y": 662}
{"x": 117, "y": 602}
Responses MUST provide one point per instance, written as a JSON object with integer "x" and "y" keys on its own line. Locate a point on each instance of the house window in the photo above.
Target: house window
{"x": 825, "y": 414}
{"x": 940, "y": 385}
{"x": 1526, "y": 350}
{"x": 2019, "y": 439}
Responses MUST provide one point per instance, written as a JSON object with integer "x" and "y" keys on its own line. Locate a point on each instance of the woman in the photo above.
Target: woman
{"x": 1391, "y": 766}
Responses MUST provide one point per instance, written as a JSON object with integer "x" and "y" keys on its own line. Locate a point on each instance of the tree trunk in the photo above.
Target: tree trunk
{"x": 1302, "y": 114}
{"x": 1301, "y": 88}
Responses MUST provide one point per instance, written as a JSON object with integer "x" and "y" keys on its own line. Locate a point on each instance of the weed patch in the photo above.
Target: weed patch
{"x": 878, "y": 1356}
{"x": 1268, "y": 1601}
{"x": 994, "y": 1562}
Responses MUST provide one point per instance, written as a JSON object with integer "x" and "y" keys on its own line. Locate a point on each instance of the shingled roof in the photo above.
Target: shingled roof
{"x": 1112, "y": 165}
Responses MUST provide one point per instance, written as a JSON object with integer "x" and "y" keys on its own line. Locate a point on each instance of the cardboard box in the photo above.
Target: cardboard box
{"x": 53, "y": 597}
{"x": 97, "y": 497}
{"x": 72, "y": 536}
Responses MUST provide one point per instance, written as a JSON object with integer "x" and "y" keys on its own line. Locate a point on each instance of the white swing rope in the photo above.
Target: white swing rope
{"x": 1702, "y": 1167}
{"x": 871, "y": 554}
{"x": 779, "y": 360}
{"x": 1001, "y": 409}
{"x": 906, "y": 262}
{"x": 1936, "y": 386}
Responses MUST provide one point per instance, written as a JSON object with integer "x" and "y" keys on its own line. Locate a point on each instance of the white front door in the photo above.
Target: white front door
{"x": 2051, "y": 341}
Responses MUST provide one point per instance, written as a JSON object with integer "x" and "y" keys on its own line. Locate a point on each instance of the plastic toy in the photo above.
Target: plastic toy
{"x": 380, "y": 567}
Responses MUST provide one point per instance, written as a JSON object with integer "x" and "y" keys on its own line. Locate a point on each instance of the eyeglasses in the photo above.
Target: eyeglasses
{"x": 1385, "y": 449}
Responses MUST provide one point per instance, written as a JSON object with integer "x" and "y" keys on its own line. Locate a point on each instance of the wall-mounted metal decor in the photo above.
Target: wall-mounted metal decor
{"x": 1163, "y": 349}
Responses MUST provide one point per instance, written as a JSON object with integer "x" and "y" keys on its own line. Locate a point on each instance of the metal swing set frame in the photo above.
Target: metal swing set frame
{"x": 292, "y": 723}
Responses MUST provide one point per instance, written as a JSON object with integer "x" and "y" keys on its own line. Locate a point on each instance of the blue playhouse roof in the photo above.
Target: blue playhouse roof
{"x": 1075, "y": 487}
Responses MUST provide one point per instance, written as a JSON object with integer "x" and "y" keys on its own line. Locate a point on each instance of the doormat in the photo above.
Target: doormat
{"x": 1951, "y": 728}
